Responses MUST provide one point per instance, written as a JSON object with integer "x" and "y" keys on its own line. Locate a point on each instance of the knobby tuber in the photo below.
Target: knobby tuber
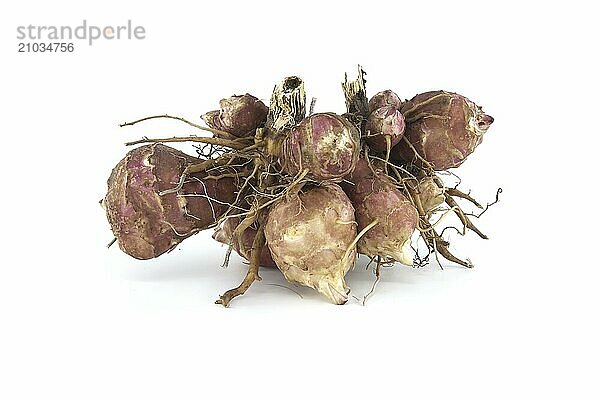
{"x": 384, "y": 98}
{"x": 239, "y": 115}
{"x": 146, "y": 223}
{"x": 430, "y": 194}
{"x": 311, "y": 237}
{"x": 326, "y": 145}
{"x": 306, "y": 193}
{"x": 384, "y": 128}
{"x": 443, "y": 129}
{"x": 376, "y": 198}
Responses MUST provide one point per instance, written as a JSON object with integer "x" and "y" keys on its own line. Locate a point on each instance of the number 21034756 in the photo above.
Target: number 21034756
{"x": 53, "y": 47}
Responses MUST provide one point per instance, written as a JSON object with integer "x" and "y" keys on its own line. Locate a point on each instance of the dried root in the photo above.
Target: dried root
{"x": 251, "y": 275}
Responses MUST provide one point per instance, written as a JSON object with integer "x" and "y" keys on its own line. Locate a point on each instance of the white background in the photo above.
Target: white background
{"x": 83, "y": 322}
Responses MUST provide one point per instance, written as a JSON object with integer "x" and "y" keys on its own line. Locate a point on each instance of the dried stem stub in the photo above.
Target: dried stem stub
{"x": 356, "y": 95}
{"x": 288, "y": 104}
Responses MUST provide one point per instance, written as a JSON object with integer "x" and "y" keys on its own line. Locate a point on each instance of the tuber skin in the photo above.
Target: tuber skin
{"x": 443, "y": 128}
{"x": 384, "y": 124}
{"x": 375, "y": 197}
{"x": 325, "y": 144}
{"x": 239, "y": 115}
{"x": 311, "y": 237}
{"x": 385, "y": 98}
{"x": 243, "y": 245}
{"x": 430, "y": 194}
{"x": 147, "y": 224}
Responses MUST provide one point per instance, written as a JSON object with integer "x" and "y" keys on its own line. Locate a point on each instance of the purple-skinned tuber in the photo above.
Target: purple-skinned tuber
{"x": 239, "y": 115}
{"x": 384, "y": 98}
{"x": 384, "y": 128}
{"x": 147, "y": 224}
{"x": 325, "y": 144}
{"x": 376, "y": 198}
{"x": 443, "y": 128}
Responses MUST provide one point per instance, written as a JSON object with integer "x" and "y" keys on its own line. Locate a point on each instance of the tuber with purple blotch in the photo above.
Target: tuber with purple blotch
{"x": 442, "y": 129}
{"x": 384, "y": 128}
{"x": 326, "y": 145}
{"x": 147, "y": 224}
{"x": 376, "y": 198}
{"x": 239, "y": 115}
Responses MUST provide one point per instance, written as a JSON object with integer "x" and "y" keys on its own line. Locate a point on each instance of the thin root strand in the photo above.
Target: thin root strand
{"x": 251, "y": 275}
